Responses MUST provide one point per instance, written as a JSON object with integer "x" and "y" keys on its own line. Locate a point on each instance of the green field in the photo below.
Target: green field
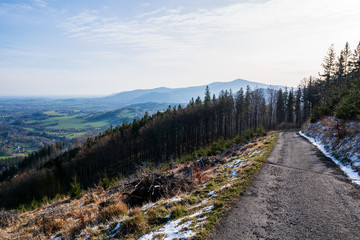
{"x": 54, "y": 113}
{"x": 127, "y": 113}
{"x": 71, "y": 122}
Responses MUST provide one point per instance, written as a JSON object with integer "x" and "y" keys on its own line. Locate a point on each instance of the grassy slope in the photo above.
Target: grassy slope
{"x": 100, "y": 214}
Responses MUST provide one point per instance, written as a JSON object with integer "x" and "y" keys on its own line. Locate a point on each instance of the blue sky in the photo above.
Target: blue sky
{"x": 90, "y": 47}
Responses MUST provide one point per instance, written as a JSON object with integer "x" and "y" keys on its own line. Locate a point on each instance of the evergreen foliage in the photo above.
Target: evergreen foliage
{"x": 335, "y": 94}
{"x": 75, "y": 190}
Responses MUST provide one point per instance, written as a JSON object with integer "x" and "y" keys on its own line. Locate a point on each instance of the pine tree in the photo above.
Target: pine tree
{"x": 75, "y": 188}
{"x": 207, "y": 98}
{"x": 347, "y": 58}
{"x": 355, "y": 59}
{"x": 247, "y": 102}
{"x": 280, "y": 107}
{"x": 298, "y": 106}
{"x": 329, "y": 64}
{"x": 340, "y": 68}
{"x": 290, "y": 106}
{"x": 239, "y": 109}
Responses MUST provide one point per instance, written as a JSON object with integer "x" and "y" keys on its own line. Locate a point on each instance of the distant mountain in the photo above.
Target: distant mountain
{"x": 177, "y": 95}
{"x": 163, "y": 95}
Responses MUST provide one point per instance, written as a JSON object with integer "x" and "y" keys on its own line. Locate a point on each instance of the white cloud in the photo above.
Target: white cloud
{"x": 280, "y": 37}
{"x": 40, "y": 3}
{"x": 165, "y": 29}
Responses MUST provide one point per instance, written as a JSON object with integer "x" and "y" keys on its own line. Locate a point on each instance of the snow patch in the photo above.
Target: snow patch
{"x": 205, "y": 201}
{"x": 353, "y": 175}
{"x": 209, "y": 208}
{"x": 236, "y": 163}
{"x": 172, "y": 231}
{"x": 225, "y": 186}
{"x": 233, "y": 174}
{"x": 212, "y": 193}
{"x": 116, "y": 228}
{"x": 147, "y": 206}
{"x": 175, "y": 199}
{"x": 176, "y": 229}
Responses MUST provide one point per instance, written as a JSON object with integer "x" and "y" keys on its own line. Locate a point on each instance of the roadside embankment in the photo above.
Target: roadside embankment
{"x": 339, "y": 140}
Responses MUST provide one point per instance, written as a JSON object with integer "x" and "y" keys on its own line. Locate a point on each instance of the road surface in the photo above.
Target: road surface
{"x": 298, "y": 194}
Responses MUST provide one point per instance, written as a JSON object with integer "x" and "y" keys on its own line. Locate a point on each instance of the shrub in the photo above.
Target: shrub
{"x": 260, "y": 131}
{"x": 178, "y": 211}
{"x": 249, "y": 133}
{"x": 75, "y": 188}
{"x": 349, "y": 106}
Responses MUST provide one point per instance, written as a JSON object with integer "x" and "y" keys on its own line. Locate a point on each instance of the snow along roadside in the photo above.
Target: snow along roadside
{"x": 352, "y": 175}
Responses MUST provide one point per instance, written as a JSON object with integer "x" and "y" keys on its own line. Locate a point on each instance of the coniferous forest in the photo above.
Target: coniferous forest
{"x": 179, "y": 131}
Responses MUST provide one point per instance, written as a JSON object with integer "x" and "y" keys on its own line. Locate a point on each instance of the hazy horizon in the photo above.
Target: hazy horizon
{"x": 114, "y": 93}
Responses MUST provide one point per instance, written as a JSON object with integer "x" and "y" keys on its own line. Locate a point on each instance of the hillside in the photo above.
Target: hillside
{"x": 185, "y": 200}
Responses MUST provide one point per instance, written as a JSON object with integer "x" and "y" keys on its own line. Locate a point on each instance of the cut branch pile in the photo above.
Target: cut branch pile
{"x": 150, "y": 187}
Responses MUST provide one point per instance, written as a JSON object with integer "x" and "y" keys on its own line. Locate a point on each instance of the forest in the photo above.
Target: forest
{"x": 179, "y": 131}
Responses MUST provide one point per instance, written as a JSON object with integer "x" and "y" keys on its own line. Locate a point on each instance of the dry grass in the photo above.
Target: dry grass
{"x": 114, "y": 210}
{"x": 90, "y": 215}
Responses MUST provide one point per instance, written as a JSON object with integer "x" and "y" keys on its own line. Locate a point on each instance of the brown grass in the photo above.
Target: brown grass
{"x": 113, "y": 210}
{"x": 97, "y": 208}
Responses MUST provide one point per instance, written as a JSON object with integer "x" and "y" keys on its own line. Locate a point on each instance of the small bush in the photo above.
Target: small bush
{"x": 107, "y": 182}
{"x": 178, "y": 211}
{"x": 75, "y": 190}
{"x": 260, "y": 131}
{"x": 136, "y": 224}
{"x": 249, "y": 133}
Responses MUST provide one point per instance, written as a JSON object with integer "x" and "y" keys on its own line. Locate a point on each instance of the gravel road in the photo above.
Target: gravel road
{"x": 298, "y": 194}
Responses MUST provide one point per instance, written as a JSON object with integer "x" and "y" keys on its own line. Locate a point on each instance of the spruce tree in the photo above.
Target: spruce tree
{"x": 290, "y": 106}
{"x": 280, "y": 107}
{"x": 298, "y": 106}
{"x": 75, "y": 188}
{"x": 347, "y": 58}
{"x": 329, "y": 65}
{"x": 207, "y": 98}
{"x": 340, "y": 68}
{"x": 355, "y": 59}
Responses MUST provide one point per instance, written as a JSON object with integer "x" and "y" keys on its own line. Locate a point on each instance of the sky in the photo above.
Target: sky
{"x": 92, "y": 47}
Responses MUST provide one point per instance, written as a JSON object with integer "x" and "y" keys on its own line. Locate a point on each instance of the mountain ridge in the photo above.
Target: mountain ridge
{"x": 180, "y": 95}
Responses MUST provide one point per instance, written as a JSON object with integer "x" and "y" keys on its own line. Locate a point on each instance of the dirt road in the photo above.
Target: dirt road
{"x": 298, "y": 194}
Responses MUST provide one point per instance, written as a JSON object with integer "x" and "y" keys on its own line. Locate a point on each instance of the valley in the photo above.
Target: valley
{"x": 26, "y": 130}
